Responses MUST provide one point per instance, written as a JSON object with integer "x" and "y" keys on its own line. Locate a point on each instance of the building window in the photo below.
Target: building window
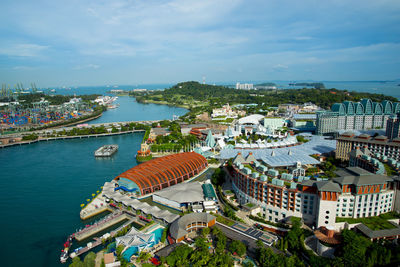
{"x": 326, "y": 222}
{"x": 327, "y": 212}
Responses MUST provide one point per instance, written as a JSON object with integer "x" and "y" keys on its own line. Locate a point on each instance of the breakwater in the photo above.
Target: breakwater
{"x": 68, "y": 137}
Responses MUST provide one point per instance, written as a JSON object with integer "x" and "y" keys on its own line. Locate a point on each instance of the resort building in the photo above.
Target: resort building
{"x": 182, "y": 227}
{"x": 377, "y": 145}
{"x": 185, "y": 196}
{"x": 363, "y": 158}
{"x": 163, "y": 172}
{"x": 304, "y": 122}
{"x": 284, "y": 153}
{"x": 393, "y": 126}
{"x": 136, "y": 241}
{"x": 226, "y": 112}
{"x": 154, "y": 132}
{"x": 111, "y": 191}
{"x": 250, "y": 124}
{"x": 355, "y": 116}
{"x": 181, "y": 196}
{"x": 356, "y": 194}
{"x": 274, "y": 123}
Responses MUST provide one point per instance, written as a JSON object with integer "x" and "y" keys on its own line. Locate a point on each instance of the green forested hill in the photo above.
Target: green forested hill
{"x": 193, "y": 93}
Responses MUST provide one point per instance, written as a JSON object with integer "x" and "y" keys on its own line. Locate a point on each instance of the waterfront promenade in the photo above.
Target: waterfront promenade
{"x": 67, "y": 137}
{"x": 45, "y": 131}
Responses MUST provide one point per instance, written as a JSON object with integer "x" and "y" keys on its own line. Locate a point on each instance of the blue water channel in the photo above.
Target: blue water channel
{"x": 130, "y": 110}
{"x": 42, "y": 186}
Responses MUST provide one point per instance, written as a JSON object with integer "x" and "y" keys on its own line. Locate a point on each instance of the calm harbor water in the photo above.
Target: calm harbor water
{"x": 42, "y": 185}
{"x": 130, "y": 110}
{"x": 41, "y": 190}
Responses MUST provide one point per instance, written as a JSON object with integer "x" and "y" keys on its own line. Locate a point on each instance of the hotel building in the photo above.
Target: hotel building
{"x": 379, "y": 145}
{"x": 355, "y": 116}
{"x": 393, "y": 126}
{"x": 357, "y": 194}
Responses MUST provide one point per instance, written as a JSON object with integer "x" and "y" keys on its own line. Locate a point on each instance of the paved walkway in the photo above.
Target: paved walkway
{"x": 243, "y": 215}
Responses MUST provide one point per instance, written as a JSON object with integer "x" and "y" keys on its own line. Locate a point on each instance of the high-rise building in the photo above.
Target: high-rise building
{"x": 393, "y": 126}
{"x": 244, "y": 86}
{"x": 355, "y": 116}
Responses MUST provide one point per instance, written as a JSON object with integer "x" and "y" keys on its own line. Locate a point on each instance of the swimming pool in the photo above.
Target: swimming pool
{"x": 134, "y": 250}
{"x": 249, "y": 260}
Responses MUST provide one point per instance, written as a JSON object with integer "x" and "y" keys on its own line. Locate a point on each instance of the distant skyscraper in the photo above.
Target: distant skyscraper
{"x": 244, "y": 86}
{"x": 393, "y": 126}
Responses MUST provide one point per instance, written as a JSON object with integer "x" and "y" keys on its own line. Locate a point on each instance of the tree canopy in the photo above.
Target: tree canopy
{"x": 217, "y": 95}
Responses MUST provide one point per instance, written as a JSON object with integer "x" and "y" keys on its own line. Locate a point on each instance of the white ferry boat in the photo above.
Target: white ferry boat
{"x": 106, "y": 151}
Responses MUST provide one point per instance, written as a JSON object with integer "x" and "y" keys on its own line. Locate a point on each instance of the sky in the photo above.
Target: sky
{"x": 79, "y": 42}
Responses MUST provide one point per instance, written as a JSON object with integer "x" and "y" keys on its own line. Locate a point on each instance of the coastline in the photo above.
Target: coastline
{"x": 163, "y": 103}
{"x": 78, "y": 121}
{"x": 67, "y": 137}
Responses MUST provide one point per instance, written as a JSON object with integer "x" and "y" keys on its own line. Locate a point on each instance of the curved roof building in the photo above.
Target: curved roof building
{"x": 163, "y": 172}
{"x": 361, "y": 115}
{"x": 189, "y": 223}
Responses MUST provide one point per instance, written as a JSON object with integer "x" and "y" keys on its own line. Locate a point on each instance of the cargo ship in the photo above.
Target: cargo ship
{"x": 106, "y": 151}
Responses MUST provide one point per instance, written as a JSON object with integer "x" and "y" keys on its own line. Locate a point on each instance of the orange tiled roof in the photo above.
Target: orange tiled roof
{"x": 159, "y": 173}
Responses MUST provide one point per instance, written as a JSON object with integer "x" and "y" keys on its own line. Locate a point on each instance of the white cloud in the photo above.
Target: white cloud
{"x": 23, "y": 68}
{"x": 88, "y": 66}
{"x": 280, "y": 67}
{"x": 23, "y": 50}
{"x": 303, "y": 38}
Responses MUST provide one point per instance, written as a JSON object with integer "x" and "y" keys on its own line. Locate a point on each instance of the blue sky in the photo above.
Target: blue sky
{"x": 78, "y": 42}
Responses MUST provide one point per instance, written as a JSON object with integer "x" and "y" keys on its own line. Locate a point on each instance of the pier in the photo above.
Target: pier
{"x": 98, "y": 242}
{"x": 108, "y": 221}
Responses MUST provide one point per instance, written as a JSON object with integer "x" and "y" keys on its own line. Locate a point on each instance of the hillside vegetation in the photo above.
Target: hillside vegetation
{"x": 193, "y": 94}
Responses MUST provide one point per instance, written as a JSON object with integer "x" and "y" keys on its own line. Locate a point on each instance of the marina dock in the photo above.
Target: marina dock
{"x": 98, "y": 242}
{"x": 108, "y": 221}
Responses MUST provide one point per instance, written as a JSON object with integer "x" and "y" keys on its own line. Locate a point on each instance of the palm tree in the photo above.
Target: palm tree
{"x": 144, "y": 256}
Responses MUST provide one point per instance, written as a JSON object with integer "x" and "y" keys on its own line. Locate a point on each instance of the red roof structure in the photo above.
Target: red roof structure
{"x": 166, "y": 171}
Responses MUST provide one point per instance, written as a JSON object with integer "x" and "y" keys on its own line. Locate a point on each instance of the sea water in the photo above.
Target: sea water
{"x": 42, "y": 186}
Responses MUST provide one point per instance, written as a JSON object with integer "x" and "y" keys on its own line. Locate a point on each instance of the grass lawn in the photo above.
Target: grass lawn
{"x": 249, "y": 166}
{"x": 250, "y": 205}
{"x": 374, "y": 223}
{"x": 224, "y": 220}
{"x": 389, "y": 170}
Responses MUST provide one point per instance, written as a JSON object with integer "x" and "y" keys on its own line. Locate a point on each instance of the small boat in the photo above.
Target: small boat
{"x": 106, "y": 151}
{"x": 64, "y": 253}
{"x": 112, "y": 106}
